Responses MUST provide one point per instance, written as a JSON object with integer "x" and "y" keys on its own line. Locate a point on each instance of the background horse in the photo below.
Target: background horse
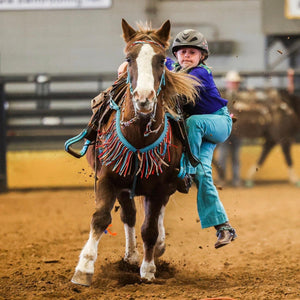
{"x": 273, "y": 115}
{"x": 137, "y": 151}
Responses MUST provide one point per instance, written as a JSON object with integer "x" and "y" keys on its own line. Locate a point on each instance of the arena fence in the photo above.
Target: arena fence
{"x": 42, "y": 111}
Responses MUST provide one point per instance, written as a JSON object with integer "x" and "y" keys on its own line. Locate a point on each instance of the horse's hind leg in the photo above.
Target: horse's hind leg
{"x": 286, "y": 149}
{"x": 128, "y": 217}
{"x": 154, "y": 208}
{"x": 267, "y": 147}
{"x": 101, "y": 219}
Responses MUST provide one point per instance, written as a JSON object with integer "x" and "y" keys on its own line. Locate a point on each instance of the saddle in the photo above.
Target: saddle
{"x": 100, "y": 106}
{"x": 179, "y": 129}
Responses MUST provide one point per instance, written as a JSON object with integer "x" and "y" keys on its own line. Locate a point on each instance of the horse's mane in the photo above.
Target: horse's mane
{"x": 179, "y": 85}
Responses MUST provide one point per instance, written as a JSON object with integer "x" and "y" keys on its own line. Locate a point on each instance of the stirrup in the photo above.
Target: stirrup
{"x": 227, "y": 228}
{"x": 89, "y": 134}
{"x": 227, "y": 237}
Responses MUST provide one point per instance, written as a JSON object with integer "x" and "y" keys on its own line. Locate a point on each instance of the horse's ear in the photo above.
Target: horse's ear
{"x": 128, "y": 31}
{"x": 164, "y": 31}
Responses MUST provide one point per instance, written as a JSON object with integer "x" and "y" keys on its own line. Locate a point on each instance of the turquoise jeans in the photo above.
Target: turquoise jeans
{"x": 204, "y": 132}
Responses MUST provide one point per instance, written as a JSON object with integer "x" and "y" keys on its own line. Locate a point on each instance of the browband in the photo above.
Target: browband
{"x": 147, "y": 42}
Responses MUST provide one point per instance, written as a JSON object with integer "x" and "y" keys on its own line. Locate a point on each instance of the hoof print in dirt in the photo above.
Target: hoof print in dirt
{"x": 127, "y": 267}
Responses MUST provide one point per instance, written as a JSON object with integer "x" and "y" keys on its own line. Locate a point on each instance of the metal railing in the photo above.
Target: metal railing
{"x": 46, "y": 116}
{"x": 30, "y": 120}
{"x": 42, "y": 114}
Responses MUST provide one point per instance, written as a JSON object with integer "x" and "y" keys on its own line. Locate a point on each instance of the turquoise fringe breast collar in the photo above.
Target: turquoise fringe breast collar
{"x": 114, "y": 150}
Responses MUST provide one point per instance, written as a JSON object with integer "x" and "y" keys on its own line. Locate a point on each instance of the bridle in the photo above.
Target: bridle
{"x": 161, "y": 84}
{"x": 162, "y": 79}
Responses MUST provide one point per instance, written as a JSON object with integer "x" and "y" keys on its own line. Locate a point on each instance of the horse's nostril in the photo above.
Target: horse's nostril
{"x": 143, "y": 95}
{"x": 136, "y": 96}
{"x": 151, "y": 95}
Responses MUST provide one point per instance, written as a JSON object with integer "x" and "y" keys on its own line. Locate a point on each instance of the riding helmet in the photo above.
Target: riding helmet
{"x": 190, "y": 38}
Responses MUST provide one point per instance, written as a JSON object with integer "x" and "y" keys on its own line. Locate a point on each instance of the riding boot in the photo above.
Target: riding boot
{"x": 225, "y": 233}
{"x": 184, "y": 184}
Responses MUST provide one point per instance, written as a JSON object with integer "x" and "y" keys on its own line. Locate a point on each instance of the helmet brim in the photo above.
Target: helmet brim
{"x": 177, "y": 48}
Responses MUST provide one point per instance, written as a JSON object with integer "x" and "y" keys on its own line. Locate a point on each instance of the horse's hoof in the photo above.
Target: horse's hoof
{"x": 132, "y": 259}
{"x": 249, "y": 183}
{"x": 147, "y": 271}
{"x": 297, "y": 184}
{"x": 82, "y": 278}
{"x": 148, "y": 277}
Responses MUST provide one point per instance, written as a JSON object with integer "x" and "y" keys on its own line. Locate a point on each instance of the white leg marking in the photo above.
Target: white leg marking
{"x": 88, "y": 255}
{"x": 147, "y": 270}
{"x": 292, "y": 175}
{"x": 252, "y": 172}
{"x": 160, "y": 243}
{"x": 131, "y": 252}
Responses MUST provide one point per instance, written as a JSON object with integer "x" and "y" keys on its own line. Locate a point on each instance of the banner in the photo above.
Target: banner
{"x": 53, "y": 4}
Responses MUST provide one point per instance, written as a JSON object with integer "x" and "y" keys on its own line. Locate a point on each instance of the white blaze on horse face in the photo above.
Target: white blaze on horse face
{"x": 144, "y": 93}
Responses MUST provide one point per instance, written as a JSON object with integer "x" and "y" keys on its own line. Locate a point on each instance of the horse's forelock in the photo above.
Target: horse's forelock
{"x": 144, "y": 37}
{"x": 144, "y": 27}
{"x": 146, "y": 32}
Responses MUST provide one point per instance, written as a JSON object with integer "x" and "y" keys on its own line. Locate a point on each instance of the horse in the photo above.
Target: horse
{"x": 136, "y": 151}
{"x": 273, "y": 115}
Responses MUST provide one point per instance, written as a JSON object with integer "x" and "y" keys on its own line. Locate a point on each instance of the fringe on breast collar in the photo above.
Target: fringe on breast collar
{"x": 127, "y": 160}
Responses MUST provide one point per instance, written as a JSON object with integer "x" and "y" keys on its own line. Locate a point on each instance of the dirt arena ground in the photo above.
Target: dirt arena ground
{"x": 43, "y": 231}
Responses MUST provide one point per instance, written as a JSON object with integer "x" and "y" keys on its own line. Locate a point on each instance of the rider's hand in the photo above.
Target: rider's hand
{"x": 122, "y": 68}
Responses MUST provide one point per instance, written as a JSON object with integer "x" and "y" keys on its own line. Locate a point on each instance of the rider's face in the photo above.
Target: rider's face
{"x": 188, "y": 57}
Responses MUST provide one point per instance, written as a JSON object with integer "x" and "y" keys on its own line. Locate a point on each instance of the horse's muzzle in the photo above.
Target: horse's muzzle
{"x": 144, "y": 104}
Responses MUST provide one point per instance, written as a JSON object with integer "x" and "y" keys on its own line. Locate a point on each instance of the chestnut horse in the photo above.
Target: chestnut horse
{"x": 137, "y": 152}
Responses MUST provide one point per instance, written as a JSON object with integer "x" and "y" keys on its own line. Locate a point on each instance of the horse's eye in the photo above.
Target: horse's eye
{"x": 162, "y": 62}
{"x": 128, "y": 59}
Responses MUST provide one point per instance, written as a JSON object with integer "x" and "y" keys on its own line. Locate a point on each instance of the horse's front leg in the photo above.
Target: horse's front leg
{"x": 105, "y": 199}
{"x": 128, "y": 217}
{"x": 160, "y": 245}
{"x": 154, "y": 211}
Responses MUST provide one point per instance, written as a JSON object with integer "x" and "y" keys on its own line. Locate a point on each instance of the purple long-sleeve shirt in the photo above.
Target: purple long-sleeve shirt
{"x": 209, "y": 99}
